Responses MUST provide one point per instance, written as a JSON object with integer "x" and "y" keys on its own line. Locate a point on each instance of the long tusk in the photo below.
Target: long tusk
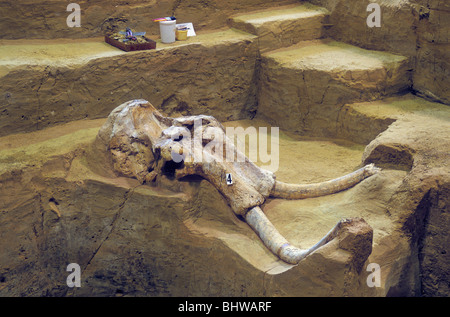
{"x": 300, "y": 191}
{"x": 276, "y": 243}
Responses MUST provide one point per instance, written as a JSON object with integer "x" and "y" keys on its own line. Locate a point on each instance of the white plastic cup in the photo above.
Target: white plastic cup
{"x": 167, "y": 30}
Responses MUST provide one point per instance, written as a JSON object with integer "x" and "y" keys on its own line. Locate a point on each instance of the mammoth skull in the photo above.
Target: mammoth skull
{"x": 142, "y": 143}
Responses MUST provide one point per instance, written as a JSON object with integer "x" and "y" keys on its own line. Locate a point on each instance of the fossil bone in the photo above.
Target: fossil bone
{"x": 142, "y": 143}
{"x": 301, "y": 191}
{"x": 276, "y": 243}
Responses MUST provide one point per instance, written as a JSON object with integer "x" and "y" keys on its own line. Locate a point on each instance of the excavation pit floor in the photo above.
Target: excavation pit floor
{"x": 299, "y": 160}
{"x": 50, "y": 184}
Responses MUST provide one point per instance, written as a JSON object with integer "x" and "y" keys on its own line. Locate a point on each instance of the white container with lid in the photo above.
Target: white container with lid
{"x": 167, "y": 30}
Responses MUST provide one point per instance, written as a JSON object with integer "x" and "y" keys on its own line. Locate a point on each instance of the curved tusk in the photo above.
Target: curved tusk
{"x": 300, "y": 191}
{"x": 276, "y": 243}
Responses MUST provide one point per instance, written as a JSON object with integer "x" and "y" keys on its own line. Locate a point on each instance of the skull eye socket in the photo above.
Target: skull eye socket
{"x": 170, "y": 167}
{"x": 178, "y": 138}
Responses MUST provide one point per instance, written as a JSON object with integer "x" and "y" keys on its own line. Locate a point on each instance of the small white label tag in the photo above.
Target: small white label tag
{"x": 229, "y": 179}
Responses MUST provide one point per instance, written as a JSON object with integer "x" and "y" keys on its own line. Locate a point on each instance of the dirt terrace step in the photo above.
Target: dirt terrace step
{"x": 302, "y": 87}
{"x": 69, "y": 52}
{"x": 44, "y": 84}
{"x": 362, "y": 122}
{"x": 281, "y": 27}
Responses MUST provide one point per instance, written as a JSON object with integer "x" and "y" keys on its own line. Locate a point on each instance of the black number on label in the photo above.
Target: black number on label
{"x": 229, "y": 179}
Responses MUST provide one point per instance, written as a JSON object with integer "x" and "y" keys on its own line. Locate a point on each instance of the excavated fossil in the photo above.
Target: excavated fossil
{"x": 142, "y": 143}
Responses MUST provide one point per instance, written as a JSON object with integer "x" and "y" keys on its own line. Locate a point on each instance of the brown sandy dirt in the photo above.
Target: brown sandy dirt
{"x": 59, "y": 202}
{"x": 50, "y": 167}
